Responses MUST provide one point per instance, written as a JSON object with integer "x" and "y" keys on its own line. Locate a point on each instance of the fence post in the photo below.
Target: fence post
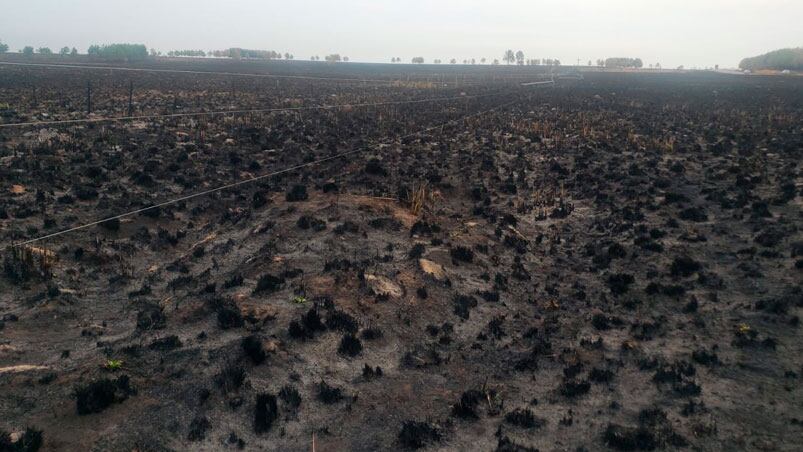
{"x": 131, "y": 98}
{"x": 88, "y": 97}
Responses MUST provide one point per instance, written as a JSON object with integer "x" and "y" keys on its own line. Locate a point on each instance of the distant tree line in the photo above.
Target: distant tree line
{"x": 782, "y": 59}
{"x": 624, "y": 62}
{"x": 3, "y": 47}
{"x": 518, "y": 57}
{"x": 509, "y": 57}
{"x": 186, "y": 53}
{"x": 336, "y": 58}
{"x": 119, "y": 52}
{"x": 238, "y": 53}
{"x": 29, "y": 51}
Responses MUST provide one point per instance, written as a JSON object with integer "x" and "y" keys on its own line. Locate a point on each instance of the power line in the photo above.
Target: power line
{"x": 236, "y": 112}
{"x": 250, "y": 180}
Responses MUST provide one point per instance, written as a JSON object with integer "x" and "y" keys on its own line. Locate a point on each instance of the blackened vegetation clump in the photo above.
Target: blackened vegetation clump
{"x": 416, "y": 251}
{"x": 423, "y": 228}
{"x": 265, "y": 413}
{"x": 374, "y": 167}
{"x": 654, "y": 431}
{"x": 228, "y": 316}
{"x": 290, "y": 397}
{"x": 462, "y": 254}
{"x": 306, "y": 328}
{"x": 101, "y": 394}
{"x": 151, "y": 317}
{"x": 505, "y": 444}
{"x": 166, "y": 343}
{"x": 309, "y": 222}
{"x": 524, "y": 418}
{"x": 684, "y": 266}
{"x": 619, "y": 283}
{"x": 693, "y": 214}
{"x": 349, "y": 345}
{"x": 680, "y": 376}
{"x": 329, "y": 394}
{"x": 466, "y": 407}
{"x": 30, "y": 441}
{"x": 370, "y": 373}
{"x": 269, "y": 283}
{"x": 463, "y": 305}
{"x": 342, "y": 321}
{"x": 230, "y": 377}
{"x": 415, "y": 435}
{"x": 297, "y": 193}
{"x": 252, "y": 346}
{"x": 198, "y": 428}
{"x": 572, "y": 388}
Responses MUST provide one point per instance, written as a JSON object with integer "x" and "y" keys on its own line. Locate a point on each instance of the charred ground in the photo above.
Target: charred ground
{"x": 610, "y": 263}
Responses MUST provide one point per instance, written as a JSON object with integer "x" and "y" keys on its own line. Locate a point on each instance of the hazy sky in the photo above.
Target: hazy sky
{"x": 673, "y": 32}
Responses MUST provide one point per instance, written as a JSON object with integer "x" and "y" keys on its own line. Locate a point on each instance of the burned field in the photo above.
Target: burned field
{"x": 612, "y": 263}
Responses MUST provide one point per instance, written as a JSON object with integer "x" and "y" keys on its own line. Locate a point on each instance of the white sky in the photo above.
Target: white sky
{"x": 698, "y": 33}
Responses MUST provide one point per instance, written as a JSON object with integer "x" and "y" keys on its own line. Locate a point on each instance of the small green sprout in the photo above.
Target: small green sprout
{"x": 114, "y": 364}
{"x": 299, "y": 300}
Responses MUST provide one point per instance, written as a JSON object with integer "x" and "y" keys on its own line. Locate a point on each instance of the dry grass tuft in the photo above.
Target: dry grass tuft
{"x": 419, "y": 198}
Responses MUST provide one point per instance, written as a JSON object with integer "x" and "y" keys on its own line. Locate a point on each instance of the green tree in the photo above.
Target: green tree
{"x": 45, "y": 51}
{"x": 418, "y": 60}
{"x": 791, "y": 59}
{"x": 3, "y": 47}
{"x": 119, "y": 52}
{"x": 27, "y": 51}
{"x": 64, "y": 51}
{"x": 520, "y": 58}
{"x": 509, "y": 57}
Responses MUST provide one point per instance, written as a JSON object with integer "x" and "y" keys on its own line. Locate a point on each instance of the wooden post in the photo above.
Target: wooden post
{"x": 88, "y": 97}
{"x": 131, "y": 98}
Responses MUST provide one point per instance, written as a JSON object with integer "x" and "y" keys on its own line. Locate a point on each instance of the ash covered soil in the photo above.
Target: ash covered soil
{"x": 612, "y": 263}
